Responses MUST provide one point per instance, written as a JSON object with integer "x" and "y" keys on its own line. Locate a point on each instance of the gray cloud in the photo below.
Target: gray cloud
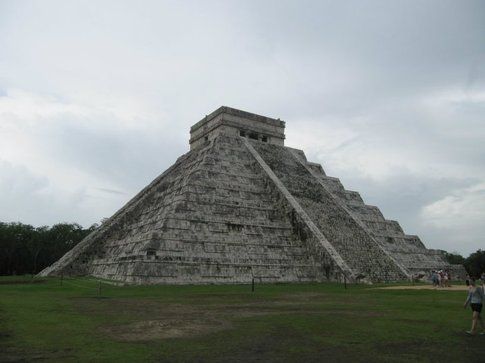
{"x": 118, "y": 155}
{"x": 111, "y": 191}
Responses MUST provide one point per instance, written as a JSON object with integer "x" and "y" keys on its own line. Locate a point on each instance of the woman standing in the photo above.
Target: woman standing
{"x": 475, "y": 299}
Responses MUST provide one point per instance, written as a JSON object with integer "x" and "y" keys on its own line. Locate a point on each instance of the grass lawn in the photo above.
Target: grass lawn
{"x": 42, "y": 320}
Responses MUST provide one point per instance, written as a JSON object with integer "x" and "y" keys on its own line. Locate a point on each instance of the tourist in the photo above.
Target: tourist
{"x": 434, "y": 278}
{"x": 475, "y": 299}
{"x": 445, "y": 279}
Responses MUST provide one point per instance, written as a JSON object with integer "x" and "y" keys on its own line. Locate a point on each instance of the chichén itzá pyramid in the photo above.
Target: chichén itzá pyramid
{"x": 240, "y": 205}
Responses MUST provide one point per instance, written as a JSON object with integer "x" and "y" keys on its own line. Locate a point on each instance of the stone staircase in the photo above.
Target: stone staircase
{"x": 356, "y": 246}
{"x": 406, "y": 250}
{"x": 212, "y": 221}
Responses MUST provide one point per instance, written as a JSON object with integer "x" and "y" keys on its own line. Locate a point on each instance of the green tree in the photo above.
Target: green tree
{"x": 454, "y": 258}
{"x": 25, "y": 249}
{"x": 475, "y": 263}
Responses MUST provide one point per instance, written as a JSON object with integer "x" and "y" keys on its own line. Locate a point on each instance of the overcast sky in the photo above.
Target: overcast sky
{"x": 97, "y": 98}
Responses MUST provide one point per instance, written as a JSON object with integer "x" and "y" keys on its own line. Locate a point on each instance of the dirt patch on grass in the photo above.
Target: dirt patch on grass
{"x": 163, "y": 329}
{"x": 424, "y": 287}
{"x": 154, "y": 320}
{"x": 150, "y": 319}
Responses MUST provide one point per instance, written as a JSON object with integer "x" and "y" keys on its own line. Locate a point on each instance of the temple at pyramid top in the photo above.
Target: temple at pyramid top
{"x": 234, "y": 122}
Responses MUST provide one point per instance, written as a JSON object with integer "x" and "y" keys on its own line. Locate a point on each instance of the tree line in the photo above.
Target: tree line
{"x": 474, "y": 264}
{"x": 25, "y": 249}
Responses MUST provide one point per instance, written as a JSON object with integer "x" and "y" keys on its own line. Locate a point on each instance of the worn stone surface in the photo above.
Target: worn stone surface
{"x": 240, "y": 206}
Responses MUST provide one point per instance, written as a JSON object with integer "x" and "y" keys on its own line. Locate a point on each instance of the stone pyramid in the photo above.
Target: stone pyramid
{"x": 240, "y": 205}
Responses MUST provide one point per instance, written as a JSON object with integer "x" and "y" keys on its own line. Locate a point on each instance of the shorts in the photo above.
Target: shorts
{"x": 476, "y": 307}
